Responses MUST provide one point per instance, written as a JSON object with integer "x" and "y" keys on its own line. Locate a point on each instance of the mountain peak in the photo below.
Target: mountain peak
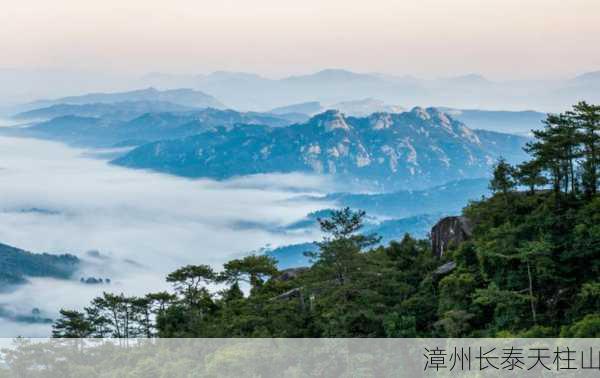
{"x": 335, "y": 72}
{"x": 420, "y": 113}
{"x": 330, "y": 120}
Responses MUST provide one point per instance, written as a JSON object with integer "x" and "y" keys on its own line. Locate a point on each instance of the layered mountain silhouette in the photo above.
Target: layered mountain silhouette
{"x": 415, "y": 149}
{"x": 184, "y": 97}
{"x": 248, "y": 91}
{"x": 118, "y": 110}
{"x": 329, "y": 86}
{"x": 106, "y": 131}
{"x": 514, "y": 122}
{"x": 356, "y": 108}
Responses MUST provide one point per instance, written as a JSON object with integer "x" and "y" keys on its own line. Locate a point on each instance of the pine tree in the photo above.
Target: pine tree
{"x": 187, "y": 281}
{"x": 530, "y": 174}
{"x": 503, "y": 177}
{"x": 72, "y": 324}
{"x": 340, "y": 250}
{"x": 587, "y": 119}
{"x": 253, "y": 269}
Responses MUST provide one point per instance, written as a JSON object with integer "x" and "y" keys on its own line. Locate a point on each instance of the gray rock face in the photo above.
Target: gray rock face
{"x": 387, "y": 152}
{"x": 445, "y": 269}
{"x": 290, "y": 274}
{"x": 448, "y": 231}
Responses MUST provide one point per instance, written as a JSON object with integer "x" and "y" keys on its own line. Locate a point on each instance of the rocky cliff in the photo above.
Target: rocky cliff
{"x": 450, "y": 231}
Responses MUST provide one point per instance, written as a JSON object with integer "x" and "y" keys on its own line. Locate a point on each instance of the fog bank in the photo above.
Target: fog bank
{"x": 143, "y": 225}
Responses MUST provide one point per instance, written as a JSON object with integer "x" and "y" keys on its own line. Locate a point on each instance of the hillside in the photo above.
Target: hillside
{"x": 16, "y": 265}
{"x": 525, "y": 272}
{"x": 520, "y": 263}
{"x": 416, "y": 149}
{"x": 391, "y": 215}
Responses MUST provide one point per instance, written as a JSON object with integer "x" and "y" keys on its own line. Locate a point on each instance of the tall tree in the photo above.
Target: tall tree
{"x": 556, "y": 149}
{"x": 117, "y": 311}
{"x": 72, "y": 324}
{"x": 340, "y": 250}
{"x": 530, "y": 174}
{"x": 587, "y": 118}
{"x": 188, "y": 281}
{"x": 253, "y": 269}
{"x": 503, "y": 177}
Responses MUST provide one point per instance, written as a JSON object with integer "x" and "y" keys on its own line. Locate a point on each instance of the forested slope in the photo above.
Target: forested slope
{"x": 530, "y": 268}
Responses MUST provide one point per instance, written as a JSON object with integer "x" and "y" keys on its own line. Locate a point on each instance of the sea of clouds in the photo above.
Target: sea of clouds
{"x": 140, "y": 225}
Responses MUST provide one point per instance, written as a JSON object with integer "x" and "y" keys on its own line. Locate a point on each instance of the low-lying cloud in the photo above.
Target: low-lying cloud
{"x": 55, "y": 199}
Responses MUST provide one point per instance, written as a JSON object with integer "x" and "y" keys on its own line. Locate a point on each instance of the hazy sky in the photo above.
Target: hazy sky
{"x": 498, "y": 38}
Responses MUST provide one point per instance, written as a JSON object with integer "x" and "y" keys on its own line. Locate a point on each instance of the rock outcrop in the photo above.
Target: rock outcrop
{"x": 445, "y": 269}
{"x": 448, "y": 231}
{"x": 386, "y": 151}
{"x": 290, "y": 273}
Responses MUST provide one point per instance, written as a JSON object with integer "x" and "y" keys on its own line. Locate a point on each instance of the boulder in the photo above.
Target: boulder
{"x": 449, "y": 230}
{"x": 290, "y": 274}
{"x": 445, "y": 269}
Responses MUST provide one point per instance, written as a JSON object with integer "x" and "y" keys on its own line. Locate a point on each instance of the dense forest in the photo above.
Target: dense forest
{"x": 530, "y": 268}
{"x": 17, "y": 264}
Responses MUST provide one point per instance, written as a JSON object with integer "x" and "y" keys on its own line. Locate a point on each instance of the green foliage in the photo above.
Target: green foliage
{"x": 529, "y": 269}
{"x": 586, "y": 327}
{"x": 16, "y": 264}
{"x": 502, "y": 180}
{"x": 72, "y": 324}
{"x": 520, "y": 274}
{"x": 251, "y": 269}
{"x": 567, "y": 150}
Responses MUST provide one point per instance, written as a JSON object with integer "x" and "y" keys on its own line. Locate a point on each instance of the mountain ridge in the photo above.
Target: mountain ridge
{"x": 181, "y": 96}
{"x": 147, "y": 127}
{"x": 117, "y": 110}
{"x": 422, "y": 147}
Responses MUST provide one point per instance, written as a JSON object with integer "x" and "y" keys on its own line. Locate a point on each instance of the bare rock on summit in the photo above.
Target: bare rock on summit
{"x": 450, "y": 230}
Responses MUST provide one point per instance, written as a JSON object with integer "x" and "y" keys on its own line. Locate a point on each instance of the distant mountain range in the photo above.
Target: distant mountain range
{"x": 115, "y": 111}
{"x": 249, "y": 91}
{"x": 497, "y": 120}
{"x": 111, "y": 130}
{"x": 448, "y": 198}
{"x": 187, "y": 98}
{"x": 306, "y": 108}
{"x": 16, "y": 265}
{"x": 514, "y": 122}
{"x": 355, "y": 108}
{"x": 415, "y": 149}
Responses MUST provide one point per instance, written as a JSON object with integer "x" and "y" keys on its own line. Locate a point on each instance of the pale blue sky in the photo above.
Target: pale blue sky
{"x": 499, "y": 38}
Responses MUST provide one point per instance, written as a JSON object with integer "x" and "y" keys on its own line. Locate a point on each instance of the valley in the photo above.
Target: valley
{"x": 210, "y": 184}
